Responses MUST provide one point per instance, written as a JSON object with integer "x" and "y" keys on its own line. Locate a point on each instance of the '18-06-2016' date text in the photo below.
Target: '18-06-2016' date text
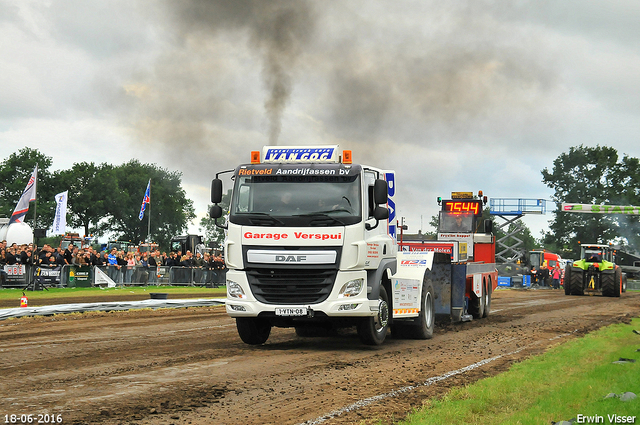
{"x": 40, "y": 418}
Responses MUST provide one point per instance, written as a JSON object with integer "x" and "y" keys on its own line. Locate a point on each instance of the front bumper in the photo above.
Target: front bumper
{"x": 334, "y": 306}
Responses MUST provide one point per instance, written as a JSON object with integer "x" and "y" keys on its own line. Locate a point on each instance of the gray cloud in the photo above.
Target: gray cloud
{"x": 483, "y": 92}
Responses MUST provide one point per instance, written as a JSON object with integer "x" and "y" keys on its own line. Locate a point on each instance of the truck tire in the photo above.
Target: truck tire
{"x": 423, "y": 329}
{"x": 567, "y": 280}
{"x": 252, "y": 330}
{"x": 373, "y": 330}
{"x": 476, "y": 305}
{"x": 609, "y": 284}
{"x": 576, "y": 282}
{"x": 487, "y": 298}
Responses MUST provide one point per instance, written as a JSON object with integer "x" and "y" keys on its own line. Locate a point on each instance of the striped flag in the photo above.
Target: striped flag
{"x": 28, "y": 195}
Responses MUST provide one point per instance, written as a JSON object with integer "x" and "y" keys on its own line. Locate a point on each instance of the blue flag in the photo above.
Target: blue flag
{"x": 145, "y": 200}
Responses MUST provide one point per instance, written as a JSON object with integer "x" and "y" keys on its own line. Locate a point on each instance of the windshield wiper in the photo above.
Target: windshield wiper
{"x": 257, "y": 217}
{"x": 324, "y": 216}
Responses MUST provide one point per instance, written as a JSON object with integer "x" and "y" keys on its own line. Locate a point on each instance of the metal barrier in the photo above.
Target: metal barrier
{"x": 24, "y": 275}
{"x": 17, "y": 275}
{"x": 76, "y": 276}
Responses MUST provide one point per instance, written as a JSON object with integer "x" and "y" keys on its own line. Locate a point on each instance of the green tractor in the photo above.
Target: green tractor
{"x": 595, "y": 272}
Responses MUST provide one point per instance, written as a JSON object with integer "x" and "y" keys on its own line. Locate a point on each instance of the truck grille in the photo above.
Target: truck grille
{"x": 287, "y": 286}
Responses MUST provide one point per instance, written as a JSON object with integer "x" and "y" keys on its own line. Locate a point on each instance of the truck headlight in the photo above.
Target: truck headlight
{"x": 351, "y": 288}
{"x": 234, "y": 290}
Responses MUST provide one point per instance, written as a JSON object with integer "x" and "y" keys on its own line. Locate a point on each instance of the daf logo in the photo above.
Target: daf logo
{"x": 291, "y": 258}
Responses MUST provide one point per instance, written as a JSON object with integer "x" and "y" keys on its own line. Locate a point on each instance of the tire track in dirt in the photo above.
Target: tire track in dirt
{"x": 189, "y": 366}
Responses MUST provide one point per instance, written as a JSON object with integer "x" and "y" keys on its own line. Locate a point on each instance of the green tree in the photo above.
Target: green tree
{"x": 14, "y": 175}
{"x": 87, "y": 184}
{"x": 590, "y": 175}
{"x": 211, "y": 232}
{"x": 170, "y": 209}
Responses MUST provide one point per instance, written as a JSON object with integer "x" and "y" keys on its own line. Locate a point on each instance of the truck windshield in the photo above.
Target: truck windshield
{"x": 297, "y": 200}
{"x": 455, "y": 222}
{"x": 535, "y": 259}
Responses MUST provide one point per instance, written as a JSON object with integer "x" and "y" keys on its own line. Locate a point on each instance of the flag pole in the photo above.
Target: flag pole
{"x": 35, "y": 205}
{"x": 34, "y": 253}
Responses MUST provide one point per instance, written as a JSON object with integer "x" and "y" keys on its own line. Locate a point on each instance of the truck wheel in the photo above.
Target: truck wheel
{"x": 476, "y": 305}
{"x": 608, "y": 284}
{"x": 373, "y": 330}
{"x": 252, "y": 330}
{"x": 567, "y": 280}
{"x": 576, "y": 282}
{"x": 424, "y": 324}
{"x": 487, "y": 299}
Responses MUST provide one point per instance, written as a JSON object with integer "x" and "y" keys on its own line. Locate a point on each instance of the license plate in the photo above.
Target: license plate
{"x": 298, "y": 311}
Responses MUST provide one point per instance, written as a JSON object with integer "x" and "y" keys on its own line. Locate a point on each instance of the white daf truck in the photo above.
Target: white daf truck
{"x": 311, "y": 244}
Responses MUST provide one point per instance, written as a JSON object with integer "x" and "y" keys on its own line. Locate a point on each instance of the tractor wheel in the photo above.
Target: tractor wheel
{"x": 576, "y": 282}
{"x": 624, "y": 282}
{"x": 617, "y": 287}
{"x": 567, "y": 280}
{"x": 476, "y": 305}
{"x": 608, "y": 284}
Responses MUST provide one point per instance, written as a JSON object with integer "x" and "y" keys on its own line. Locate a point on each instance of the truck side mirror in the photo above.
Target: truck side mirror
{"x": 215, "y": 212}
{"x": 380, "y": 192}
{"x": 381, "y": 213}
{"x": 216, "y": 191}
{"x": 488, "y": 226}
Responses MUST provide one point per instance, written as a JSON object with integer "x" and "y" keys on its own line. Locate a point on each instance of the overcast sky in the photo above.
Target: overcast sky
{"x": 453, "y": 95}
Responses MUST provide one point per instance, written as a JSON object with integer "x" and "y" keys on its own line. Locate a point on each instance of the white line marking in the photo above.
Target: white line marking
{"x": 367, "y": 401}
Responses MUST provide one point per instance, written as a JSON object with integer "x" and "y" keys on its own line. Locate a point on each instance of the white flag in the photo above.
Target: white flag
{"x": 101, "y": 279}
{"x": 60, "y": 221}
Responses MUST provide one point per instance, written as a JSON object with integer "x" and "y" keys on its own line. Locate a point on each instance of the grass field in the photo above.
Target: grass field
{"x": 569, "y": 380}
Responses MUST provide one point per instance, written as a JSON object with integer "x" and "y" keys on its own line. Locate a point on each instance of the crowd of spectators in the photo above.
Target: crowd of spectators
{"x": 15, "y": 254}
{"x": 122, "y": 262}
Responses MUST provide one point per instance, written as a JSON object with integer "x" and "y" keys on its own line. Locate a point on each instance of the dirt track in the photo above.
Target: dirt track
{"x": 188, "y": 366}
